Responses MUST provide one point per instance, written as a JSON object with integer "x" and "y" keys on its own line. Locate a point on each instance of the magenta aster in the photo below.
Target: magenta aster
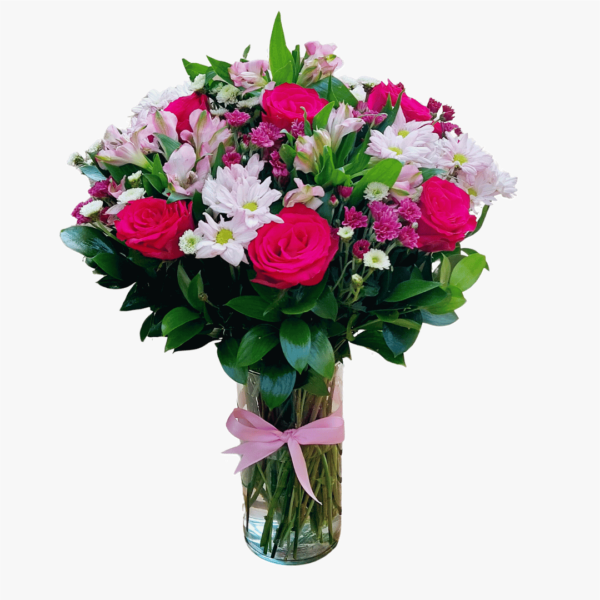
{"x": 360, "y": 248}
{"x": 99, "y": 189}
{"x": 408, "y": 237}
{"x": 236, "y": 118}
{"x": 409, "y": 211}
{"x": 354, "y": 218}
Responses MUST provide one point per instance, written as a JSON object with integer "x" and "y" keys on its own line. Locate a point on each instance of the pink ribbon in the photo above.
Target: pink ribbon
{"x": 260, "y": 439}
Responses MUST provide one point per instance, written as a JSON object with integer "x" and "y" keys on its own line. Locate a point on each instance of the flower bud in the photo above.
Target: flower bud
{"x": 333, "y": 201}
{"x": 357, "y": 280}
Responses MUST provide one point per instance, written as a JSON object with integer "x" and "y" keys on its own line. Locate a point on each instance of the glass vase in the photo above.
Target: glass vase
{"x": 282, "y": 523}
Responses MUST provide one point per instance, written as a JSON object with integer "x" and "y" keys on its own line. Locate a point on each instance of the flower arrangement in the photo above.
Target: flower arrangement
{"x": 287, "y": 214}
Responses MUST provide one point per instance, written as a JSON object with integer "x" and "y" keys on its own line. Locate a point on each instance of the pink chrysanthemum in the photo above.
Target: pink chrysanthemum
{"x": 99, "y": 189}
{"x": 408, "y": 237}
{"x": 279, "y": 168}
{"x": 297, "y": 128}
{"x": 265, "y": 135}
{"x": 409, "y": 211}
{"x": 379, "y": 209}
{"x": 387, "y": 228}
{"x": 354, "y": 218}
{"x": 360, "y": 248}
{"x": 236, "y": 118}
{"x": 232, "y": 158}
{"x": 345, "y": 191}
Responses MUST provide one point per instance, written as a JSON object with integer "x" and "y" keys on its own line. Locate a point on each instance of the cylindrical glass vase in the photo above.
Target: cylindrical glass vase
{"x": 282, "y": 523}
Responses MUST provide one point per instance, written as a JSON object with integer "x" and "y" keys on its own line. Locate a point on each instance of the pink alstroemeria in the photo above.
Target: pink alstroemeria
{"x": 163, "y": 122}
{"x": 341, "y": 122}
{"x": 206, "y": 135}
{"x": 185, "y": 175}
{"x": 249, "y": 75}
{"x": 116, "y": 189}
{"x": 305, "y": 194}
{"x": 321, "y": 62}
{"x": 310, "y": 149}
{"x": 408, "y": 181}
{"x": 122, "y": 149}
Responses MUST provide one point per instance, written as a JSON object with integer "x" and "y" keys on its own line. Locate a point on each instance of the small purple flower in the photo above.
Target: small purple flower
{"x": 408, "y": 237}
{"x": 409, "y": 211}
{"x": 81, "y": 220}
{"x": 99, "y": 189}
{"x": 362, "y": 111}
{"x": 265, "y": 135}
{"x": 433, "y": 106}
{"x": 279, "y": 168}
{"x": 447, "y": 113}
{"x": 345, "y": 191}
{"x": 360, "y": 248}
{"x": 231, "y": 158}
{"x": 236, "y": 118}
{"x": 297, "y": 128}
{"x": 354, "y": 218}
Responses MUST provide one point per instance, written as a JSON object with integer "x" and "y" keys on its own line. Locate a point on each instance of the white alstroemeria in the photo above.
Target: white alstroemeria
{"x": 91, "y": 208}
{"x": 207, "y": 134}
{"x": 227, "y": 239}
{"x": 250, "y": 197}
{"x": 341, "y": 122}
{"x": 228, "y": 94}
{"x": 188, "y": 242}
{"x": 345, "y": 233}
{"x": 376, "y": 191}
{"x": 376, "y": 259}
{"x": 460, "y": 151}
{"x": 198, "y": 83}
{"x": 155, "y": 100}
{"x": 309, "y": 195}
{"x": 409, "y": 148}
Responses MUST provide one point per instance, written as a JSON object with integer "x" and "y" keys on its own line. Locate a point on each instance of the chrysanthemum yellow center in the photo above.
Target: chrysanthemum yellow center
{"x": 403, "y": 133}
{"x": 224, "y": 236}
{"x": 398, "y": 151}
{"x": 461, "y": 158}
{"x": 472, "y": 192}
{"x": 250, "y": 206}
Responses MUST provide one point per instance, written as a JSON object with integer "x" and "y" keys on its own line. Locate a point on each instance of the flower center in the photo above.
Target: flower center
{"x": 461, "y": 158}
{"x": 472, "y": 192}
{"x": 250, "y": 206}
{"x": 398, "y": 151}
{"x": 403, "y": 133}
{"x": 224, "y": 236}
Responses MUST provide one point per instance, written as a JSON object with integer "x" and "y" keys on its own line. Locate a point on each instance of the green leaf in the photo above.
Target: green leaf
{"x": 195, "y": 292}
{"x": 194, "y": 69}
{"x": 276, "y": 384}
{"x": 169, "y": 145}
{"x": 410, "y": 288}
{"x": 321, "y": 357}
{"x": 198, "y": 207}
{"x": 115, "y": 265}
{"x": 281, "y": 61}
{"x": 218, "y": 159}
{"x": 454, "y": 301}
{"x": 255, "y": 307}
{"x": 373, "y": 340}
{"x": 326, "y": 306}
{"x": 321, "y": 118}
{"x": 287, "y": 155}
{"x": 183, "y": 334}
{"x": 146, "y": 325}
{"x": 87, "y": 241}
{"x": 255, "y": 344}
{"x": 390, "y": 111}
{"x": 429, "y": 173}
{"x": 155, "y": 182}
{"x": 316, "y": 384}
{"x": 399, "y": 339}
{"x": 439, "y": 320}
{"x": 221, "y": 69}
{"x": 434, "y": 296}
{"x": 268, "y": 294}
{"x": 467, "y": 271}
{"x": 480, "y": 221}
{"x": 135, "y": 300}
{"x": 176, "y": 318}
{"x": 385, "y": 171}
{"x": 246, "y": 52}
{"x": 93, "y": 172}
{"x": 339, "y": 90}
{"x": 302, "y": 298}
{"x": 227, "y": 351}
{"x": 294, "y": 336}
{"x": 445, "y": 270}
{"x": 113, "y": 284}
{"x": 183, "y": 280}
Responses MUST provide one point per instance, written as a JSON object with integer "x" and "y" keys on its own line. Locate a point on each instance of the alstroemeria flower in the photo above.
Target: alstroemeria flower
{"x": 249, "y": 75}
{"x": 163, "y": 122}
{"x": 309, "y": 149}
{"x": 321, "y": 62}
{"x": 185, "y": 175}
{"x": 123, "y": 149}
{"x": 309, "y": 195}
{"x": 206, "y": 135}
{"x": 341, "y": 122}
{"x": 408, "y": 181}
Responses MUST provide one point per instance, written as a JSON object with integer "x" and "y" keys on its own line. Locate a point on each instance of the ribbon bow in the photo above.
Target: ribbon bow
{"x": 261, "y": 439}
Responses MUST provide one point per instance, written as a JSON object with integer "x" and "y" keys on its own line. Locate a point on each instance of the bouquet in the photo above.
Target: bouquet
{"x": 286, "y": 214}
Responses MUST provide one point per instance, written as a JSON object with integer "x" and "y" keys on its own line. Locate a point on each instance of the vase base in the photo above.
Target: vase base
{"x": 291, "y": 561}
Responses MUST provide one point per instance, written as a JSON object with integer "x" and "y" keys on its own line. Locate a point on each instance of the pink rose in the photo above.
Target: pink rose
{"x": 445, "y": 218}
{"x": 154, "y": 227}
{"x": 297, "y": 251}
{"x": 379, "y": 94}
{"x": 284, "y": 104}
{"x": 183, "y": 107}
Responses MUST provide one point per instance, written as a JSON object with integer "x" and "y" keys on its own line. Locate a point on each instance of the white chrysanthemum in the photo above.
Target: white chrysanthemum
{"x": 249, "y": 102}
{"x": 365, "y": 80}
{"x": 376, "y": 259}
{"x": 228, "y": 94}
{"x": 359, "y": 93}
{"x": 376, "y": 191}
{"x": 348, "y": 81}
{"x": 414, "y": 147}
{"x": 357, "y": 280}
{"x": 132, "y": 194}
{"x": 345, "y": 233}
{"x": 134, "y": 178}
{"x": 218, "y": 112}
{"x": 198, "y": 83}
{"x": 188, "y": 242}
{"x": 155, "y": 100}
{"x": 91, "y": 208}
{"x": 460, "y": 151}
{"x": 480, "y": 187}
{"x": 506, "y": 185}
{"x": 227, "y": 239}
{"x": 95, "y": 147}
{"x": 75, "y": 159}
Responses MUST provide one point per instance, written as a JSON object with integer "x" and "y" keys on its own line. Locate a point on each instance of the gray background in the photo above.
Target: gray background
{"x": 471, "y": 474}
